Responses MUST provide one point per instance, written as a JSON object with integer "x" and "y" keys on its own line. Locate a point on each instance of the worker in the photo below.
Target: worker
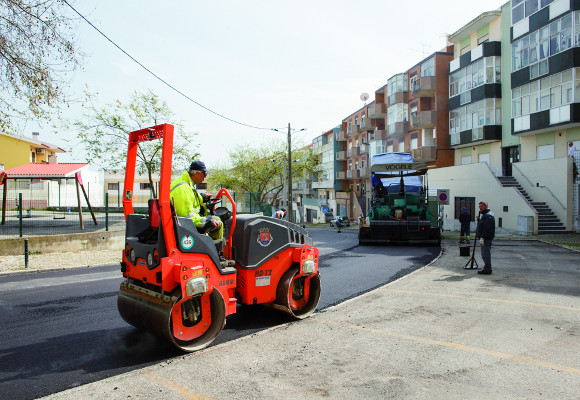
{"x": 189, "y": 203}
{"x": 465, "y": 221}
{"x": 281, "y": 214}
{"x": 339, "y": 223}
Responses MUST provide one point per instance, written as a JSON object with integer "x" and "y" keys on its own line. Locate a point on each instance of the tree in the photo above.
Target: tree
{"x": 36, "y": 52}
{"x": 105, "y": 134}
{"x": 262, "y": 169}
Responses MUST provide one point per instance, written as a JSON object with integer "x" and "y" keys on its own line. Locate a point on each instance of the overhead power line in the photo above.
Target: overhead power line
{"x": 161, "y": 79}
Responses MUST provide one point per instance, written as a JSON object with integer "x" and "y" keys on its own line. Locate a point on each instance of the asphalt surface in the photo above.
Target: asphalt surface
{"x": 441, "y": 332}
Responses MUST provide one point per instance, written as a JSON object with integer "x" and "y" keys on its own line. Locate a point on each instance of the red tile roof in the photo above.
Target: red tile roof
{"x": 40, "y": 170}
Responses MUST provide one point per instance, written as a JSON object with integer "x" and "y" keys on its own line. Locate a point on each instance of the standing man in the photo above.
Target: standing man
{"x": 485, "y": 232}
{"x": 465, "y": 221}
{"x": 571, "y": 149}
{"x": 190, "y": 204}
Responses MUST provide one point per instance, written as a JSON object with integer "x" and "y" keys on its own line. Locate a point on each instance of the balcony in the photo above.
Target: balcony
{"x": 380, "y": 135}
{"x": 340, "y": 155}
{"x": 322, "y": 185}
{"x": 352, "y": 130}
{"x": 377, "y": 110}
{"x": 425, "y": 119}
{"x": 341, "y": 137}
{"x": 341, "y": 175}
{"x": 425, "y": 87}
{"x": 364, "y": 149}
{"x": 364, "y": 173}
{"x": 425, "y": 153}
{"x": 353, "y": 152}
{"x": 398, "y": 129}
{"x": 366, "y": 125}
{"x": 353, "y": 174}
{"x": 399, "y": 97}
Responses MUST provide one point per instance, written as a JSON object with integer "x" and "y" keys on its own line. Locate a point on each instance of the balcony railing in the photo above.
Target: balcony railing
{"x": 352, "y": 130}
{"x": 341, "y": 137}
{"x": 353, "y": 152}
{"x": 398, "y": 129}
{"x": 364, "y": 149}
{"x": 340, "y": 175}
{"x": 425, "y": 153}
{"x": 353, "y": 174}
{"x": 377, "y": 110}
{"x": 380, "y": 135}
{"x": 366, "y": 125}
{"x": 425, "y": 119}
{"x": 340, "y": 155}
{"x": 425, "y": 87}
{"x": 364, "y": 172}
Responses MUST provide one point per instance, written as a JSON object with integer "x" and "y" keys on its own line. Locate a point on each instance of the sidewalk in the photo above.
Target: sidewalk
{"x": 442, "y": 332}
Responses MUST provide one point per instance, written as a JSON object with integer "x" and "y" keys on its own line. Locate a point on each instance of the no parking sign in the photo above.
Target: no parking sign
{"x": 443, "y": 197}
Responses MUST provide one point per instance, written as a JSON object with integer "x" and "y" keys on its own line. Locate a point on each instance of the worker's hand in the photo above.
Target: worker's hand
{"x": 481, "y": 241}
{"x": 216, "y": 221}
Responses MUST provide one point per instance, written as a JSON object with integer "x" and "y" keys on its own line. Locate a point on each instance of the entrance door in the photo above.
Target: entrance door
{"x": 510, "y": 155}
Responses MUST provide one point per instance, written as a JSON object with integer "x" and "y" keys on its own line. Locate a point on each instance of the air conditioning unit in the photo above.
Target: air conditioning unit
{"x": 40, "y": 151}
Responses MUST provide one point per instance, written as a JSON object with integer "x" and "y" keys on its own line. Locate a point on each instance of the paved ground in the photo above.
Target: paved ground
{"x": 442, "y": 332}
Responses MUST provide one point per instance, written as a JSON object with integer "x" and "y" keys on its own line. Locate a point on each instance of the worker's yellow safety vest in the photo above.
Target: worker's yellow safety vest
{"x": 187, "y": 202}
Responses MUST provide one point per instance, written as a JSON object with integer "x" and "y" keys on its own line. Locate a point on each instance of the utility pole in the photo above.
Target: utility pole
{"x": 290, "y": 219}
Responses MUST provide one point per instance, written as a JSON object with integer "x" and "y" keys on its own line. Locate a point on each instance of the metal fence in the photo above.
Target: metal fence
{"x": 27, "y": 215}
{"x": 30, "y": 216}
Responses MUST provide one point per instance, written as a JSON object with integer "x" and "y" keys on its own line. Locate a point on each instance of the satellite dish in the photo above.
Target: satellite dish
{"x": 364, "y": 96}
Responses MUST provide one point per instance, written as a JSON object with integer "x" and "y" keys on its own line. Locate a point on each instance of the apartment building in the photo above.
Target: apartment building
{"x": 353, "y": 155}
{"x": 513, "y": 100}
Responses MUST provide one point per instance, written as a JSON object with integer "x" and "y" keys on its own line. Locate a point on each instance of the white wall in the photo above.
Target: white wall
{"x": 477, "y": 180}
{"x": 547, "y": 181}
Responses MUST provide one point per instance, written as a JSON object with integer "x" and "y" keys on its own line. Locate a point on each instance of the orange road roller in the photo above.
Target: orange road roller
{"x": 177, "y": 287}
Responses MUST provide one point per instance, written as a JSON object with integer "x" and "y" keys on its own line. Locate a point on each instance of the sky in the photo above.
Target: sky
{"x": 264, "y": 63}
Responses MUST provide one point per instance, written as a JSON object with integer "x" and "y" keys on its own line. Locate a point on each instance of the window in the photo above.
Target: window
{"x": 113, "y": 186}
{"x": 414, "y": 142}
{"x": 401, "y": 148}
{"x": 545, "y": 152}
{"x": 465, "y": 160}
{"x": 484, "y": 71}
{"x": 533, "y": 49}
{"x": 396, "y": 113}
{"x": 428, "y": 67}
{"x": 390, "y": 147}
{"x": 549, "y": 92}
{"x": 476, "y": 115}
{"x": 144, "y": 186}
{"x": 396, "y": 84}
{"x": 524, "y": 8}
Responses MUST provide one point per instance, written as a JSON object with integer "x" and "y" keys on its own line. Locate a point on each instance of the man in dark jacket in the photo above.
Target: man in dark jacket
{"x": 465, "y": 221}
{"x": 485, "y": 232}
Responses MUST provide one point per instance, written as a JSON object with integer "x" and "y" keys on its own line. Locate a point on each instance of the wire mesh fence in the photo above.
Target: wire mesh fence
{"x": 26, "y": 215}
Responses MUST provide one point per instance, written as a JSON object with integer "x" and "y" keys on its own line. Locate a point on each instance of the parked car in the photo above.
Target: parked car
{"x": 343, "y": 220}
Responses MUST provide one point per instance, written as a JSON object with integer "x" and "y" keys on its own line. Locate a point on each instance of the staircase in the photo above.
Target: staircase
{"x": 548, "y": 223}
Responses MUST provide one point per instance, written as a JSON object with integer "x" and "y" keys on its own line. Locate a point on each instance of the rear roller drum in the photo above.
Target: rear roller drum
{"x": 298, "y": 294}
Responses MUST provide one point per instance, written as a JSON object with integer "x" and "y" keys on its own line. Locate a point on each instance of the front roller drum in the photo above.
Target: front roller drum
{"x": 298, "y": 294}
{"x": 191, "y": 324}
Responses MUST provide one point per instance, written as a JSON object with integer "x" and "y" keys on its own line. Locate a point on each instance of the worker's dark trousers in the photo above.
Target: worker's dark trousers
{"x": 486, "y": 254}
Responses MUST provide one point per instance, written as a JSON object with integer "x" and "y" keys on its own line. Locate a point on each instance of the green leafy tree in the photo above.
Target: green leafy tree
{"x": 37, "y": 50}
{"x": 262, "y": 169}
{"x": 104, "y": 132}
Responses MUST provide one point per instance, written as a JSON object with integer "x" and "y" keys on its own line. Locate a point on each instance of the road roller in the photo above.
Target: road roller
{"x": 177, "y": 286}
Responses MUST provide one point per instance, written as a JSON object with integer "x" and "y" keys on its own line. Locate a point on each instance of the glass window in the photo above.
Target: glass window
{"x": 531, "y": 7}
{"x": 517, "y": 13}
{"x": 428, "y": 67}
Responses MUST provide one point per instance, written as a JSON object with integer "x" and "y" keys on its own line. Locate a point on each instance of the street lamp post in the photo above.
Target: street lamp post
{"x": 289, "y": 199}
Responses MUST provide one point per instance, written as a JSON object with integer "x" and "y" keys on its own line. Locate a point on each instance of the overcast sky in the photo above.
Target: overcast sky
{"x": 263, "y": 63}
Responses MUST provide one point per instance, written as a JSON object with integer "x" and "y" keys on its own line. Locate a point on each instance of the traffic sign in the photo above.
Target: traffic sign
{"x": 443, "y": 197}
